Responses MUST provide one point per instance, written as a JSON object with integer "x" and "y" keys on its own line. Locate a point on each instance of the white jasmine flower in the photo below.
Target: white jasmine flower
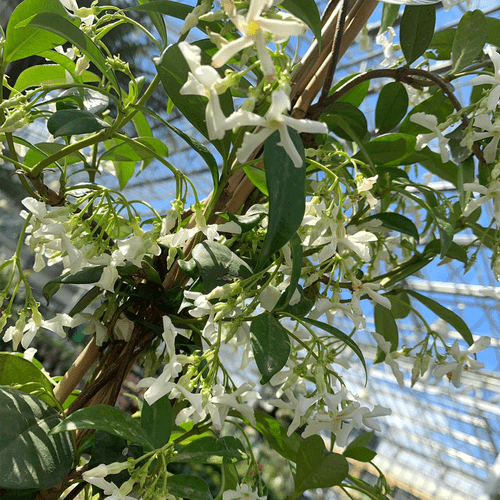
{"x": 364, "y": 185}
{"x": 463, "y": 360}
{"x": 430, "y": 122}
{"x": 490, "y": 193}
{"x": 385, "y": 40}
{"x": 494, "y": 80}
{"x": 275, "y": 119}
{"x": 57, "y": 324}
{"x": 490, "y": 130}
{"x": 83, "y": 13}
{"x": 94, "y": 326}
{"x": 255, "y": 29}
{"x": 385, "y": 345}
{"x": 269, "y": 297}
{"x": 242, "y": 492}
{"x": 203, "y": 80}
{"x": 123, "y": 328}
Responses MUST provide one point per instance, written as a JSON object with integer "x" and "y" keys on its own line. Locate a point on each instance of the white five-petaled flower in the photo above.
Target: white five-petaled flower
{"x": 275, "y": 119}
{"x": 385, "y": 345}
{"x": 491, "y": 129}
{"x": 242, "y": 492}
{"x": 494, "y": 96}
{"x": 254, "y": 29}
{"x": 463, "y": 360}
{"x": 430, "y": 122}
{"x": 204, "y": 80}
{"x": 489, "y": 193}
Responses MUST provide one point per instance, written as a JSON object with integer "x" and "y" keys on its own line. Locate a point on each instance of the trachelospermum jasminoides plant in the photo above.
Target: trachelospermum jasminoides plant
{"x": 298, "y": 229}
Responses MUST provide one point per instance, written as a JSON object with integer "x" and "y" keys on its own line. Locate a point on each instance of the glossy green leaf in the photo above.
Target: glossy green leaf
{"x": 29, "y": 456}
{"x": 229, "y": 479}
{"x": 386, "y": 326}
{"x": 74, "y": 122}
{"x": 444, "y": 313}
{"x": 143, "y": 148}
{"x": 356, "y": 95}
{"x": 335, "y": 332}
{"x": 277, "y": 437}
{"x": 400, "y": 304}
{"x": 270, "y": 344}
{"x": 218, "y": 265}
{"x": 342, "y": 116}
{"x": 27, "y": 41}
{"x": 317, "y": 468}
{"x": 212, "y": 450}
{"x": 389, "y": 149}
{"x": 392, "y": 105}
{"x": 156, "y": 419}
{"x": 493, "y": 24}
{"x": 432, "y": 162}
{"x": 106, "y": 418}
{"x": 357, "y": 448}
{"x": 107, "y": 449}
{"x": 397, "y": 222}
{"x": 455, "y": 251}
{"x": 442, "y": 43}
{"x": 48, "y": 74}
{"x": 173, "y": 71}
{"x": 286, "y": 185}
{"x": 417, "y": 30}
{"x": 390, "y": 13}
{"x": 57, "y": 24}
{"x": 41, "y": 150}
{"x": 471, "y": 35}
{"x": 17, "y": 371}
{"x": 297, "y": 261}
{"x": 83, "y": 277}
{"x": 307, "y": 11}
{"x": 188, "y": 487}
{"x": 408, "y": 268}
{"x": 257, "y": 177}
{"x": 246, "y": 222}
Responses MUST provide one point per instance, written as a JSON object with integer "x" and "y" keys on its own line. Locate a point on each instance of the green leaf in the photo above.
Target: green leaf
{"x": 493, "y": 31}
{"x": 257, "y": 177}
{"x": 156, "y": 419}
{"x": 106, "y": 418}
{"x": 339, "y": 114}
{"x": 218, "y": 265}
{"x": 277, "y": 437}
{"x": 397, "y": 222}
{"x": 444, "y": 313}
{"x": 417, "y": 29}
{"x": 47, "y": 74}
{"x": 446, "y": 230}
{"x": 29, "y": 456}
{"x": 27, "y": 41}
{"x": 354, "y": 96}
{"x": 307, "y": 11}
{"x": 188, "y": 487}
{"x": 388, "y": 149}
{"x": 386, "y": 326}
{"x": 432, "y": 162}
{"x": 390, "y": 13}
{"x": 335, "y": 332}
{"x": 442, "y": 43}
{"x": 357, "y": 449}
{"x": 143, "y": 148}
{"x": 108, "y": 449}
{"x": 455, "y": 251}
{"x": 392, "y": 105}
{"x": 212, "y": 450}
{"x": 84, "y": 277}
{"x": 41, "y": 150}
{"x": 61, "y": 26}
{"x": 74, "y": 122}
{"x": 246, "y": 222}
{"x": 15, "y": 370}
{"x": 400, "y": 304}
{"x": 229, "y": 479}
{"x": 271, "y": 345}
{"x": 158, "y": 22}
{"x": 316, "y": 468}
{"x": 472, "y": 32}
{"x": 173, "y": 71}
{"x": 297, "y": 258}
{"x": 286, "y": 185}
